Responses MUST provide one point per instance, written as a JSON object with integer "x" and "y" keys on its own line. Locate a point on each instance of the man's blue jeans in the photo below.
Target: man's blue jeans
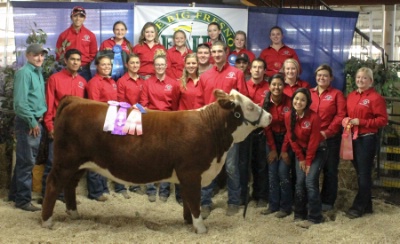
{"x": 254, "y": 145}
{"x": 164, "y": 190}
{"x": 307, "y": 190}
{"x": 27, "y": 148}
{"x": 96, "y": 184}
{"x": 330, "y": 171}
{"x": 233, "y": 182}
{"x": 364, "y": 150}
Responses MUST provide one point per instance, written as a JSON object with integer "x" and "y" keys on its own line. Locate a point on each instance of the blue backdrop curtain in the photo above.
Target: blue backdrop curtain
{"x": 319, "y": 37}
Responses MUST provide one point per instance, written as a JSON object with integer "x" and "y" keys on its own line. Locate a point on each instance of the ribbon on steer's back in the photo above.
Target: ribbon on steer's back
{"x": 346, "y": 146}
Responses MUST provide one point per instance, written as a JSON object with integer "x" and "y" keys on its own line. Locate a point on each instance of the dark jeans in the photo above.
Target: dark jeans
{"x": 27, "y": 148}
{"x": 254, "y": 146}
{"x": 207, "y": 193}
{"x": 330, "y": 171}
{"x": 280, "y": 181}
{"x": 163, "y": 192}
{"x": 96, "y": 184}
{"x": 364, "y": 150}
{"x": 307, "y": 198}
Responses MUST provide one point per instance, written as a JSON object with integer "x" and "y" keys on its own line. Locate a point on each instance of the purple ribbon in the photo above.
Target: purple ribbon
{"x": 121, "y": 119}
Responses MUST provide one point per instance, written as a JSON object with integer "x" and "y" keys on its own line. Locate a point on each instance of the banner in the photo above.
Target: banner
{"x": 193, "y": 21}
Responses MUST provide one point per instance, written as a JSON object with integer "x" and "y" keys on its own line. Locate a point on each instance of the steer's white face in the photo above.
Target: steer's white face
{"x": 251, "y": 113}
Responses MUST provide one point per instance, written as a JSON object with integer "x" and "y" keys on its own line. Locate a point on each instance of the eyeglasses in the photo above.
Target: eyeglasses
{"x": 159, "y": 65}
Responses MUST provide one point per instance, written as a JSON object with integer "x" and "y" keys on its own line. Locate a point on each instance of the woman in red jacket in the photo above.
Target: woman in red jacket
{"x": 291, "y": 69}
{"x": 130, "y": 84}
{"x": 177, "y": 54}
{"x": 367, "y": 112}
{"x": 330, "y": 104}
{"x": 280, "y": 182}
{"x": 303, "y": 134}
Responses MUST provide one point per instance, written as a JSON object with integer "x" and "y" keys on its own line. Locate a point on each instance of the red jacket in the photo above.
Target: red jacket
{"x": 188, "y": 97}
{"x": 227, "y": 79}
{"x": 249, "y": 53}
{"x": 146, "y": 56}
{"x": 257, "y": 92}
{"x": 307, "y": 130}
{"x": 370, "y": 108}
{"x": 59, "y": 85}
{"x": 289, "y": 90}
{"x": 331, "y": 108}
{"x": 110, "y": 43}
{"x": 176, "y": 62}
{"x": 84, "y": 40}
{"x": 102, "y": 89}
{"x": 275, "y": 59}
{"x": 160, "y": 94}
{"x": 129, "y": 90}
{"x": 277, "y": 125}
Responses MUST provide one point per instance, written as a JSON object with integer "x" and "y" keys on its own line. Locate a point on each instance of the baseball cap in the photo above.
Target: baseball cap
{"x": 243, "y": 57}
{"x": 78, "y": 10}
{"x": 36, "y": 48}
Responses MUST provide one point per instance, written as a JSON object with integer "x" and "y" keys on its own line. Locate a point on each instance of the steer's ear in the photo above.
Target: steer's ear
{"x": 224, "y": 100}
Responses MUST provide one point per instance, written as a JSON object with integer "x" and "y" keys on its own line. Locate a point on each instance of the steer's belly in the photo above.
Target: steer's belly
{"x": 106, "y": 173}
{"x": 210, "y": 174}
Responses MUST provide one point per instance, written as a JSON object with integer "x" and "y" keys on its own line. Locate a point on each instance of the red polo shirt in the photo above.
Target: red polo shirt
{"x": 188, "y": 97}
{"x": 226, "y": 79}
{"x": 176, "y": 62}
{"x": 277, "y": 125}
{"x": 129, "y": 89}
{"x": 59, "y": 85}
{"x": 249, "y": 53}
{"x": 257, "y": 92}
{"x": 289, "y": 90}
{"x": 307, "y": 130}
{"x": 110, "y": 43}
{"x": 331, "y": 108}
{"x": 275, "y": 59}
{"x": 102, "y": 89}
{"x": 160, "y": 94}
{"x": 146, "y": 56}
{"x": 84, "y": 40}
{"x": 370, "y": 108}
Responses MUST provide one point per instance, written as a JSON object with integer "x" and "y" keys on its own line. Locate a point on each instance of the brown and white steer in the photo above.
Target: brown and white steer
{"x": 185, "y": 147}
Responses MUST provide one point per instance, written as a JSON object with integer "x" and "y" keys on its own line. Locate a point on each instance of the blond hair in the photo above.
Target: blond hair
{"x": 185, "y": 74}
{"x": 291, "y": 61}
{"x": 160, "y": 53}
{"x": 368, "y": 72}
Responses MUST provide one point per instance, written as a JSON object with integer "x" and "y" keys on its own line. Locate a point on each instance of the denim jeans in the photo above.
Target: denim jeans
{"x": 85, "y": 72}
{"x": 232, "y": 171}
{"x": 330, "y": 171}
{"x": 307, "y": 190}
{"x": 280, "y": 181}
{"x": 163, "y": 192}
{"x": 96, "y": 184}
{"x": 255, "y": 146}
{"x": 27, "y": 148}
{"x": 364, "y": 150}
{"x": 207, "y": 193}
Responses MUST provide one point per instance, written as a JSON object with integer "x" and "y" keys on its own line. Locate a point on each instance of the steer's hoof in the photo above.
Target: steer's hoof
{"x": 73, "y": 214}
{"x": 201, "y": 230}
{"x": 48, "y": 223}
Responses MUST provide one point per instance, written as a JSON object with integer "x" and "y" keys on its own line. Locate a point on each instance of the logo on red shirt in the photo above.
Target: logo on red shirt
{"x": 328, "y": 98}
{"x": 365, "y": 102}
{"x": 86, "y": 38}
{"x": 114, "y": 86}
{"x": 286, "y": 52}
{"x": 230, "y": 75}
{"x": 285, "y": 110}
{"x": 168, "y": 87}
{"x": 80, "y": 85}
{"x": 306, "y": 125}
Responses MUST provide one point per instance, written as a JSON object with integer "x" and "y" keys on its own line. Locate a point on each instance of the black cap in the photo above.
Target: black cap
{"x": 243, "y": 57}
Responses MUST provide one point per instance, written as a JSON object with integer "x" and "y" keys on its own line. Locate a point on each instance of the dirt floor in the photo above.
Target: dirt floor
{"x": 136, "y": 220}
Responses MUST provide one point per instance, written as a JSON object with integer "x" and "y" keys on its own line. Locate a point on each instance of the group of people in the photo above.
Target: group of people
{"x": 285, "y": 159}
